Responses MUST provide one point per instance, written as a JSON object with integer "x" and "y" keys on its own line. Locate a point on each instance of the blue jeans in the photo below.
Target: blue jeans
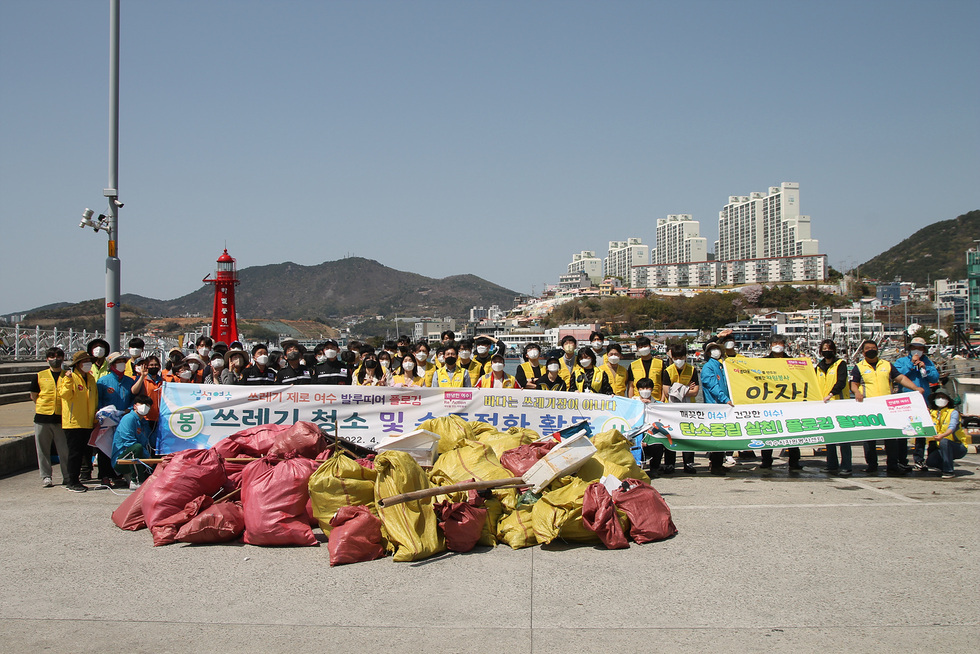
{"x": 845, "y": 456}
{"x": 948, "y": 451}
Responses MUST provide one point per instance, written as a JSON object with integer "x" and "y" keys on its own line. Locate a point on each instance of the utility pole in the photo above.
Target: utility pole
{"x": 112, "y": 263}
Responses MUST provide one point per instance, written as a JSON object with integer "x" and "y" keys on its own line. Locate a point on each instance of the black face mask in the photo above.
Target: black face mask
{"x": 871, "y": 354}
{"x": 370, "y": 364}
{"x": 293, "y": 355}
{"x": 153, "y": 371}
{"x": 450, "y": 361}
{"x": 828, "y": 354}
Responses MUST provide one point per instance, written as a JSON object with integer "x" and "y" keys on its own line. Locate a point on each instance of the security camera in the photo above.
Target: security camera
{"x": 117, "y": 203}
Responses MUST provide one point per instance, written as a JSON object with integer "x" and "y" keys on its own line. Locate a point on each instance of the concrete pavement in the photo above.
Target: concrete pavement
{"x": 761, "y": 563}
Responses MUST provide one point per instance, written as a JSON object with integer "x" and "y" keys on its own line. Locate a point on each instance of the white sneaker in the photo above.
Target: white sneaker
{"x": 133, "y": 485}
{"x": 729, "y": 460}
{"x": 47, "y": 482}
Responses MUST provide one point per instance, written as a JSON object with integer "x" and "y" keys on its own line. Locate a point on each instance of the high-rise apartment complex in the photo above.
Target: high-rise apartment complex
{"x": 623, "y": 255}
{"x": 679, "y": 240}
{"x": 760, "y": 226}
{"x": 586, "y": 261}
{"x": 973, "y": 279}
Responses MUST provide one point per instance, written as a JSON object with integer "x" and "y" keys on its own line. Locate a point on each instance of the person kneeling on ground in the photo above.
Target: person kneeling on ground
{"x": 950, "y": 442}
{"x": 131, "y": 440}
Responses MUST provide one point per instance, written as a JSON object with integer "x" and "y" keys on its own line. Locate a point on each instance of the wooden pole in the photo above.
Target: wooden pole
{"x": 512, "y": 482}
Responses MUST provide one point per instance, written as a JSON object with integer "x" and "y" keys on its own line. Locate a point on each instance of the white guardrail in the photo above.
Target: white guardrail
{"x": 19, "y": 343}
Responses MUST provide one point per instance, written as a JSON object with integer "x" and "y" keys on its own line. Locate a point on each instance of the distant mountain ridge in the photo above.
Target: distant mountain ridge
{"x": 333, "y": 289}
{"x": 937, "y": 251}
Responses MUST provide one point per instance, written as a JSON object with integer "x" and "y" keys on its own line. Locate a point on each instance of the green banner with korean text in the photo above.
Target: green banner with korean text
{"x": 719, "y": 427}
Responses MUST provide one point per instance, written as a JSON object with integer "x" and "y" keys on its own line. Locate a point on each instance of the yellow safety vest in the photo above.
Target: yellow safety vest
{"x": 79, "y": 400}
{"x": 683, "y": 377}
{"x": 656, "y": 375}
{"x": 48, "y": 403}
{"x": 617, "y": 380}
{"x": 474, "y": 368}
{"x": 452, "y": 379}
{"x": 407, "y": 380}
{"x": 486, "y": 381}
{"x": 567, "y": 374}
{"x": 826, "y": 380}
{"x": 940, "y": 418}
{"x": 876, "y": 381}
{"x": 597, "y": 378}
{"x": 530, "y": 374}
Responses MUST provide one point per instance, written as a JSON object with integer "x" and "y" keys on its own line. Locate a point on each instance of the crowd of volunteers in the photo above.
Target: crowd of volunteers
{"x": 68, "y": 396}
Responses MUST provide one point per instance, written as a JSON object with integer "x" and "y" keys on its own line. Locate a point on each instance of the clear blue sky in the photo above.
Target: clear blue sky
{"x": 494, "y": 138}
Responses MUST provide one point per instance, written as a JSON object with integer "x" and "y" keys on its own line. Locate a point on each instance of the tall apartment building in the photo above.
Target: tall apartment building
{"x": 759, "y": 226}
{"x": 586, "y": 261}
{"x": 623, "y": 255}
{"x": 679, "y": 240}
{"x": 973, "y": 279}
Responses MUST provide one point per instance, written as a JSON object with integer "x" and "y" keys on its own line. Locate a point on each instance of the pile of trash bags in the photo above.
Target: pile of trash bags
{"x": 298, "y": 481}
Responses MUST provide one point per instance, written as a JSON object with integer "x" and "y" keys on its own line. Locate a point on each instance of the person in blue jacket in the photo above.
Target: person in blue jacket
{"x": 921, "y": 372}
{"x": 132, "y": 439}
{"x": 714, "y": 386}
{"x": 115, "y": 389}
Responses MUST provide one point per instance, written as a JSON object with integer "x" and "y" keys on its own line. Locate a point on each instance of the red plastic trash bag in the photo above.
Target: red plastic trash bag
{"x": 648, "y": 512}
{"x": 366, "y": 462}
{"x": 165, "y": 531}
{"x": 462, "y": 523}
{"x": 274, "y": 497}
{"x": 355, "y": 536}
{"x": 520, "y": 459}
{"x": 301, "y": 439}
{"x": 189, "y": 474}
{"x": 219, "y": 523}
{"x": 599, "y": 515}
{"x": 129, "y": 514}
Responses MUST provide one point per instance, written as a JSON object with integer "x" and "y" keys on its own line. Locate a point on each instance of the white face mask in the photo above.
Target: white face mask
{"x": 918, "y": 353}
{"x": 408, "y": 366}
{"x": 680, "y": 362}
{"x": 330, "y": 353}
{"x": 777, "y": 349}
{"x": 422, "y": 357}
{"x": 86, "y": 367}
{"x": 141, "y": 409}
{"x": 482, "y": 349}
{"x": 193, "y": 366}
{"x": 613, "y": 359}
{"x": 585, "y": 363}
{"x": 441, "y": 359}
{"x": 262, "y": 359}
{"x": 941, "y": 402}
{"x": 465, "y": 355}
{"x": 135, "y": 352}
{"x": 645, "y": 393}
{"x": 716, "y": 353}
{"x": 729, "y": 345}
{"x": 98, "y": 352}
{"x": 596, "y": 345}
{"x": 187, "y": 374}
{"x": 533, "y": 354}
{"x": 321, "y": 358}
{"x": 496, "y": 367}
{"x": 218, "y": 364}
{"x": 644, "y": 351}
{"x": 204, "y": 352}
{"x": 119, "y": 366}
{"x": 384, "y": 365}
{"x": 554, "y": 367}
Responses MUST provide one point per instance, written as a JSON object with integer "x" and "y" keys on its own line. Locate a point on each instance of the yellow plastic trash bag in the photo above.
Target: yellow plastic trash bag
{"x": 479, "y": 428}
{"x": 557, "y": 506}
{"x": 614, "y": 453}
{"x": 340, "y": 481}
{"x": 452, "y": 431}
{"x": 499, "y": 441}
{"x": 516, "y": 528}
{"x": 494, "y": 512}
{"x": 472, "y": 460}
{"x": 527, "y": 436}
{"x": 412, "y": 527}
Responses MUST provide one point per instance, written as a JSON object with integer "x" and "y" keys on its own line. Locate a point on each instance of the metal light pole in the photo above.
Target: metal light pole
{"x": 112, "y": 264}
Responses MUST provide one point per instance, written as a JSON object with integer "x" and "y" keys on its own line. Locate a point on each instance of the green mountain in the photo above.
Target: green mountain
{"x": 934, "y": 252}
{"x": 334, "y": 289}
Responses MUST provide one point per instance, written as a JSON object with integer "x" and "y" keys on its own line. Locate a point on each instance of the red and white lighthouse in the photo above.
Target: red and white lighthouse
{"x": 224, "y": 325}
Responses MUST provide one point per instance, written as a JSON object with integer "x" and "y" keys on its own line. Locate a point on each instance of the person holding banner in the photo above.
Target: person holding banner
{"x": 777, "y": 350}
{"x": 645, "y": 367}
{"x": 921, "y": 372}
{"x": 951, "y": 439}
{"x": 680, "y": 383}
{"x": 872, "y": 377}
{"x": 714, "y": 386}
{"x": 588, "y": 378}
{"x": 370, "y": 372}
{"x": 832, "y": 378}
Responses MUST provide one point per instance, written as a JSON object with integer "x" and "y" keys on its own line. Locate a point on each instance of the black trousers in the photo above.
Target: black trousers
{"x": 657, "y": 452}
{"x": 794, "y": 456}
{"x": 78, "y": 450}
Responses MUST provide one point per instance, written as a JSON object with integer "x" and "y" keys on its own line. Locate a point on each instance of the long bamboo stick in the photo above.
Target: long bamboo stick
{"x": 452, "y": 488}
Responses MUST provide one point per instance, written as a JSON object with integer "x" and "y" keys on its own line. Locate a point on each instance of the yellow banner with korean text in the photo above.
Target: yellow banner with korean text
{"x": 758, "y": 381}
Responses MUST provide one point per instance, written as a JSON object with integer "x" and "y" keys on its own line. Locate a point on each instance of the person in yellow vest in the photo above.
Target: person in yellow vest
{"x": 590, "y": 378}
{"x": 552, "y": 379}
{"x": 497, "y": 378}
{"x": 832, "y": 380}
{"x": 451, "y": 375}
{"x": 406, "y": 377}
{"x": 951, "y": 438}
{"x": 680, "y": 383}
{"x": 47, "y": 417}
{"x": 370, "y": 373}
{"x": 872, "y": 377}
{"x": 79, "y": 400}
{"x": 615, "y": 372}
{"x": 424, "y": 367}
{"x": 531, "y": 369}
{"x": 467, "y": 361}
{"x": 646, "y": 366}
{"x": 567, "y": 362}
{"x": 484, "y": 352}
{"x": 136, "y": 347}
